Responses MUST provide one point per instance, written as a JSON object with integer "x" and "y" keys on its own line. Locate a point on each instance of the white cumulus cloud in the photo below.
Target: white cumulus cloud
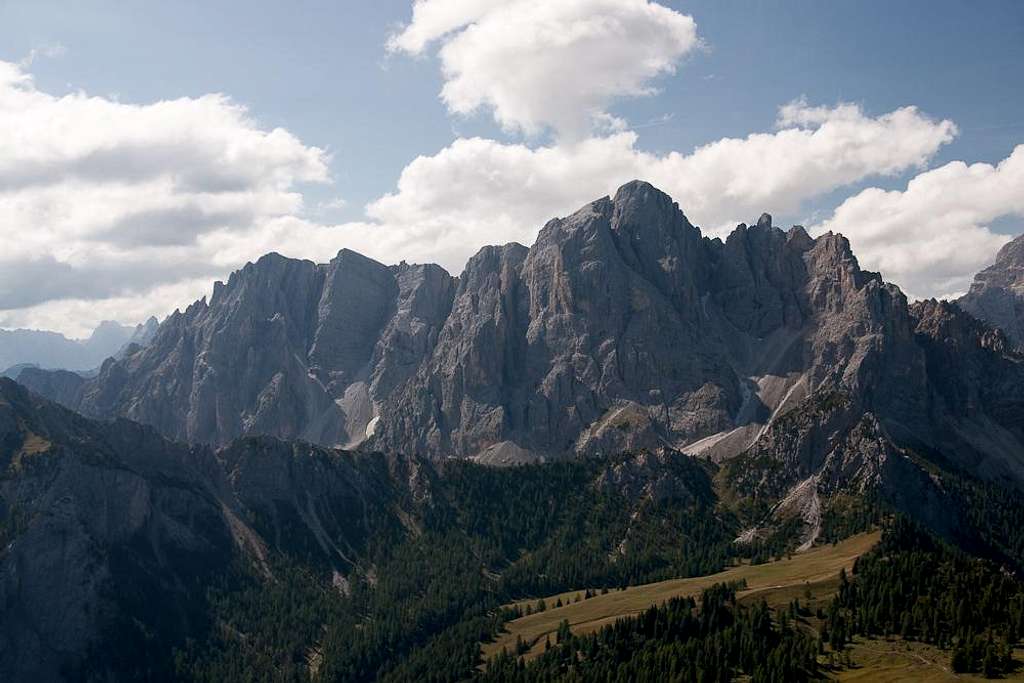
{"x": 445, "y": 207}
{"x": 101, "y": 199}
{"x": 933, "y": 236}
{"x": 434, "y": 19}
{"x": 478, "y": 191}
{"x": 118, "y": 210}
{"x": 538, "y": 64}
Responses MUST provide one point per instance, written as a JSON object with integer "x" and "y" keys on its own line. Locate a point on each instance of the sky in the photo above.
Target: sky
{"x": 150, "y": 148}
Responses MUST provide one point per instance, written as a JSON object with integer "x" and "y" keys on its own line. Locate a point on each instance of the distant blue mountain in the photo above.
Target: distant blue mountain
{"x": 40, "y": 348}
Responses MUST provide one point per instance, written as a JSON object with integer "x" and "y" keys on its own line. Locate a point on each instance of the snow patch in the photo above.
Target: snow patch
{"x": 371, "y": 426}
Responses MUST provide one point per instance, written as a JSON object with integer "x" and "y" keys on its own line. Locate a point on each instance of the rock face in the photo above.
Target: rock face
{"x": 72, "y": 494}
{"x": 108, "y": 531}
{"x": 997, "y": 294}
{"x": 621, "y": 328}
{"x": 976, "y": 385}
{"x": 286, "y": 348}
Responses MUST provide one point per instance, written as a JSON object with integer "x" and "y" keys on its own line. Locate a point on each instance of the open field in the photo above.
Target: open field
{"x": 814, "y": 567}
{"x": 899, "y": 661}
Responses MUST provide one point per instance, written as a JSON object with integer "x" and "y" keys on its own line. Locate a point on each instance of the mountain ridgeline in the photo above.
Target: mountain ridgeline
{"x": 621, "y": 328}
{"x": 124, "y": 555}
{"x": 298, "y": 478}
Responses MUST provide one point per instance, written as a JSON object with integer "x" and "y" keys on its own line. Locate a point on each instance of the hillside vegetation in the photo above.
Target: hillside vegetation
{"x": 909, "y": 608}
{"x": 590, "y": 614}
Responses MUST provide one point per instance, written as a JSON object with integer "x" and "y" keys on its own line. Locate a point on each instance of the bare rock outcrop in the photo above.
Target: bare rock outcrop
{"x": 285, "y": 348}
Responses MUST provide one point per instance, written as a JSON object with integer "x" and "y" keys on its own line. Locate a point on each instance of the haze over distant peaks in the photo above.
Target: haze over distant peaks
{"x": 53, "y": 350}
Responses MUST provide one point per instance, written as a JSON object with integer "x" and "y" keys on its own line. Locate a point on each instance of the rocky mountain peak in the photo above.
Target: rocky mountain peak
{"x": 621, "y": 327}
{"x": 1006, "y": 273}
{"x": 492, "y": 261}
{"x": 799, "y": 238}
{"x": 108, "y": 333}
{"x": 285, "y": 347}
{"x": 997, "y": 293}
{"x": 643, "y": 204}
{"x": 640, "y": 210}
{"x": 835, "y": 272}
{"x": 1011, "y": 256}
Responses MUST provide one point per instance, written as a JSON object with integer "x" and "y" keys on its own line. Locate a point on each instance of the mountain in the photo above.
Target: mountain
{"x": 997, "y": 293}
{"x": 111, "y": 535}
{"x": 15, "y": 370}
{"x": 624, "y": 327}
{"x": 125, "y": 556}
{"x": 53, "y": 350}
{"x": 621, "y": 327}
{"x": 286, "y": 348}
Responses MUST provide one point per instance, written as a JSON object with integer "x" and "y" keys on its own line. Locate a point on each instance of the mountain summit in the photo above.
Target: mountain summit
{"x": 622, "y": 327}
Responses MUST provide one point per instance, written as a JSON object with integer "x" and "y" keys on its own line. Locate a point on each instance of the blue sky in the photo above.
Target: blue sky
{"x": 321, "y": 71}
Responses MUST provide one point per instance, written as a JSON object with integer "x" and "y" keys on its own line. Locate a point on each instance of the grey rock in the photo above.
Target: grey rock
{"x": 997, "y": 293}
{"x": 285, "y": 348}
{"x": 976, "y": 392}
{"x": 622, "y": 328}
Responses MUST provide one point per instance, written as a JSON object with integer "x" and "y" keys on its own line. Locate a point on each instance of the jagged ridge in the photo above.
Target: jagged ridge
{"x": 621, "y": 328}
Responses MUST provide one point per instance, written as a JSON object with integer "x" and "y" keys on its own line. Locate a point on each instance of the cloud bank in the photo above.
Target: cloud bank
{"x": 478, "y": 191}
{"x": 104, "y": 199}
{"x": 121, "y": 210}
{"x": 933, "y": 236}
